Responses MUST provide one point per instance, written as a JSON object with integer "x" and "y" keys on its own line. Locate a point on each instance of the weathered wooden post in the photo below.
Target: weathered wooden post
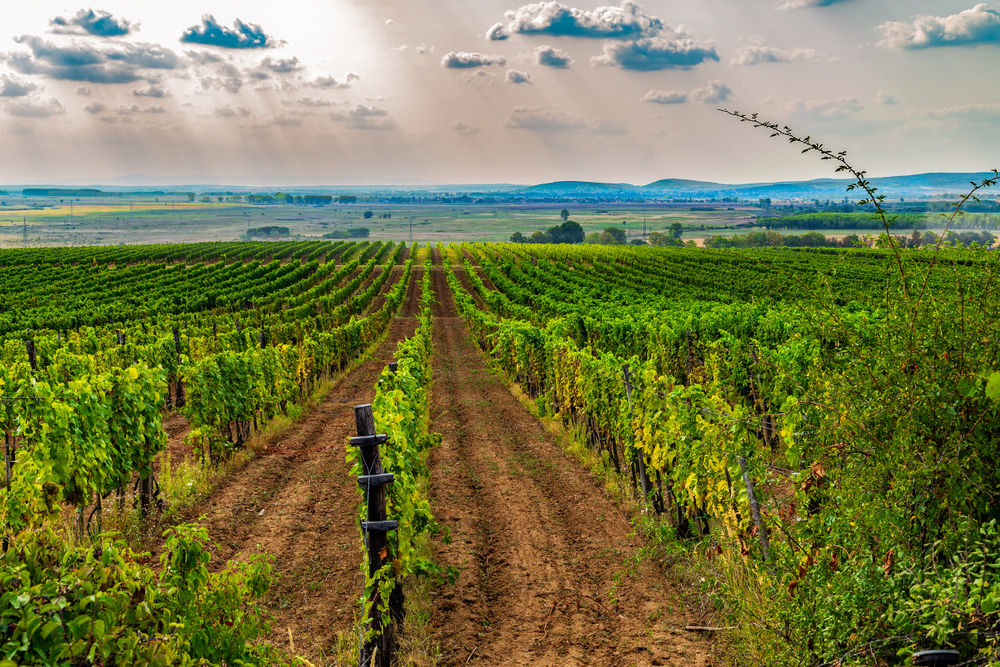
{"x": 755, "y": 510}
{"x": 640, "y": 460}
{"x": 376, "y": 651}
{"x": 180, "y": 385}
{"x": 30, "y": 346}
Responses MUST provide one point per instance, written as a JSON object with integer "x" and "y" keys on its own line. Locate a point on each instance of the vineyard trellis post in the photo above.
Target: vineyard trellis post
{"x": 376, "y": 651}
{"x": 640, "y": 460}
{"x": 755, "y": 510}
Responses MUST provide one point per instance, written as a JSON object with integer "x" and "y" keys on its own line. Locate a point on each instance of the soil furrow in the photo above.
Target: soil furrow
{"x": 550, "y": 574}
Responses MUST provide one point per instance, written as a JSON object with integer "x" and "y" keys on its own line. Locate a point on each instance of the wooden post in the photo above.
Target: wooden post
{"x": 377, "y": 651}
{"x": 640, "y": 460}
{"x": 30, "y": 345}
{"x": 180, "y": 385}
{"x": 755, "y": 510}
{"x": 263, "y": 340}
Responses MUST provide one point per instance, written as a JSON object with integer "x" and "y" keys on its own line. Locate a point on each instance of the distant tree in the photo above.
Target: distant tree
{"x": 206, "y": 199}
{"x": 564, "y": 214}
{"x": 539, "y": 237}
{"x": 617, "y": 234}
{"x": 358, "y": 232}
{"x": 190, "y": 196}
{"x": 637, "y": 242}
{"x": 660, "y": 240}
{"x": 518, "y": 237}
{"x": 347, "y": 199}
{"x": 676, "y": 230}
{"x": 368, "y": 215}
{"x": 567, "y": 232}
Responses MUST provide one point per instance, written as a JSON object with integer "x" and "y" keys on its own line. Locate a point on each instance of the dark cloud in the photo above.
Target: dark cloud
{"x": 553, "y": 120}
{"x": 626, "y": 21}
{"x": 83, "y": 90}
{"x": 517, "y": 76}
{"x": 550, "y": 57}
{"x": 36, "y": 108}
{"x": 94, "y": 108}
{"x": 11, "y": 86}
{"x": 468, "y": 60}
{"x": 151, "y": 91}
{"x": 324, "y": 82}
{"x": 89, "y": 22}
{"x": 361, "y": 117}
{"x": 713, "y": 93}
{"x": 656, "y": 53}
{"x": 241, "y": 36}
{"x": 124, "y": 110}
{"x": 464, "y": 129}
{"x": 665, "y": 97}
{"x": 286, "y": 121}
{"x": 979, "y": 25}
{"x": 118, "y": 62}
{"x": 281, "y": 65}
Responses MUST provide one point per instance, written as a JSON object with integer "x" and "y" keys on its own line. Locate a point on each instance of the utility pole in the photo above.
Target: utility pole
{"x": 411, "y": 229}
{"x": 24, "y": 228}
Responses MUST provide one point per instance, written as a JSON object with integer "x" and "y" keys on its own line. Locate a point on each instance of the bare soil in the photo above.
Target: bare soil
{"x": 298, "y": 503}
{"x": 550, "y": 567}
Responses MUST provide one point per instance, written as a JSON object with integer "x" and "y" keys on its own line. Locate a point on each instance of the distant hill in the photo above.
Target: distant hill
{"x": 892, "y": 186}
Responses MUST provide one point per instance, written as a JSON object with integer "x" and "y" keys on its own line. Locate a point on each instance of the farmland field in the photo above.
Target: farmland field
{"x": 598, "y": 451}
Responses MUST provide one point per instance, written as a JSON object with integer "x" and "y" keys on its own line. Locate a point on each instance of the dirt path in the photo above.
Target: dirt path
{"x": 298, "y": 503}
{"x": 548, "y": 574}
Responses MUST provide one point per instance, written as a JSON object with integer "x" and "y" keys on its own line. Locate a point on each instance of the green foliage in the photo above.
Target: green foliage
{"x": 104, "y": 604}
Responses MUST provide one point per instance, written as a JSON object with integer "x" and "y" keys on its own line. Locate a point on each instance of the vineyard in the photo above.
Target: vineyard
{"x": 597, "y": 454}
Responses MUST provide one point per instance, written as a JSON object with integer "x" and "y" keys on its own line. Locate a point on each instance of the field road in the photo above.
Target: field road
{"x": 547, "y": 559}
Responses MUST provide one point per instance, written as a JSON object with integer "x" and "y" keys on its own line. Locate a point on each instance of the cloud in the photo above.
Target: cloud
{"x": 286, "y": 121}
{"x": 665, "y": 97}
{"x": 84, "y": 90}
{"x": 626, "y": 21}
{"x": 11, "y": 86}
{"x": 467, "y": 60}
{"x": 517, "y": 76}
{"x": 550, "y": 57}
{"x": 361, "y": 117}
{"x": 803, "y": 4}
{"x": 967, "y": 112}
{"x": 36, "y": 108}
{"x": 123, "y": 110}
{"x": 656, "y": 53}
{"x": 886, "y": 98}
{"x": 713, "y": 93}
{"x": 389, "y": 21}
{"x": 538, "y": 119}
{"x": 756, "y": 54}
{"x": 827, "y": 109}
{"x": 204, "y": 57}
{"x": 979, "y": 25}
{"x": 155, "y": 109}
{"x": 464, "y": 129}
{"x": 118, "y": 62}
{"x": 328, "y": 81}
{"x": 242, "y": 36}
{"x": 313, "y": 102}
{"x": 229, "y": 112}
{"x": 227, "y": 78}
{"x": 94, "y": 108}
{"x": 280, "y": 65}
{"x": 89, "y": 22}
{"x": 423, "y": 49}
{"x": 151, "y": 91}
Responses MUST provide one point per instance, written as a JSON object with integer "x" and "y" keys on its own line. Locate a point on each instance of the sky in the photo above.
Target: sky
{"x": 492, "y": 91}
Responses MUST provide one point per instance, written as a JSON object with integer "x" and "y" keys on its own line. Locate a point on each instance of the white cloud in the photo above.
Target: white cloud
{"x": 464, "y": 129}
{"x": 713, "y": 93}
{"x": 36, "y": 108}
{"x": 886, "y": 98}
{"x": 469, "y": 60}
{"x": 626, "y": 21}
{"x": 828, "y": 109}
{"x": 978, "y": 25}
{"x": 665, "y": 97}
{"x": 678, "y": 51}
{"x": 549, "y": 57}
{"x": 539, "y": 119}
{"x": 803, "y": 4}
{"x": 517, "y": 76}
{"x": 755, "y": 54}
